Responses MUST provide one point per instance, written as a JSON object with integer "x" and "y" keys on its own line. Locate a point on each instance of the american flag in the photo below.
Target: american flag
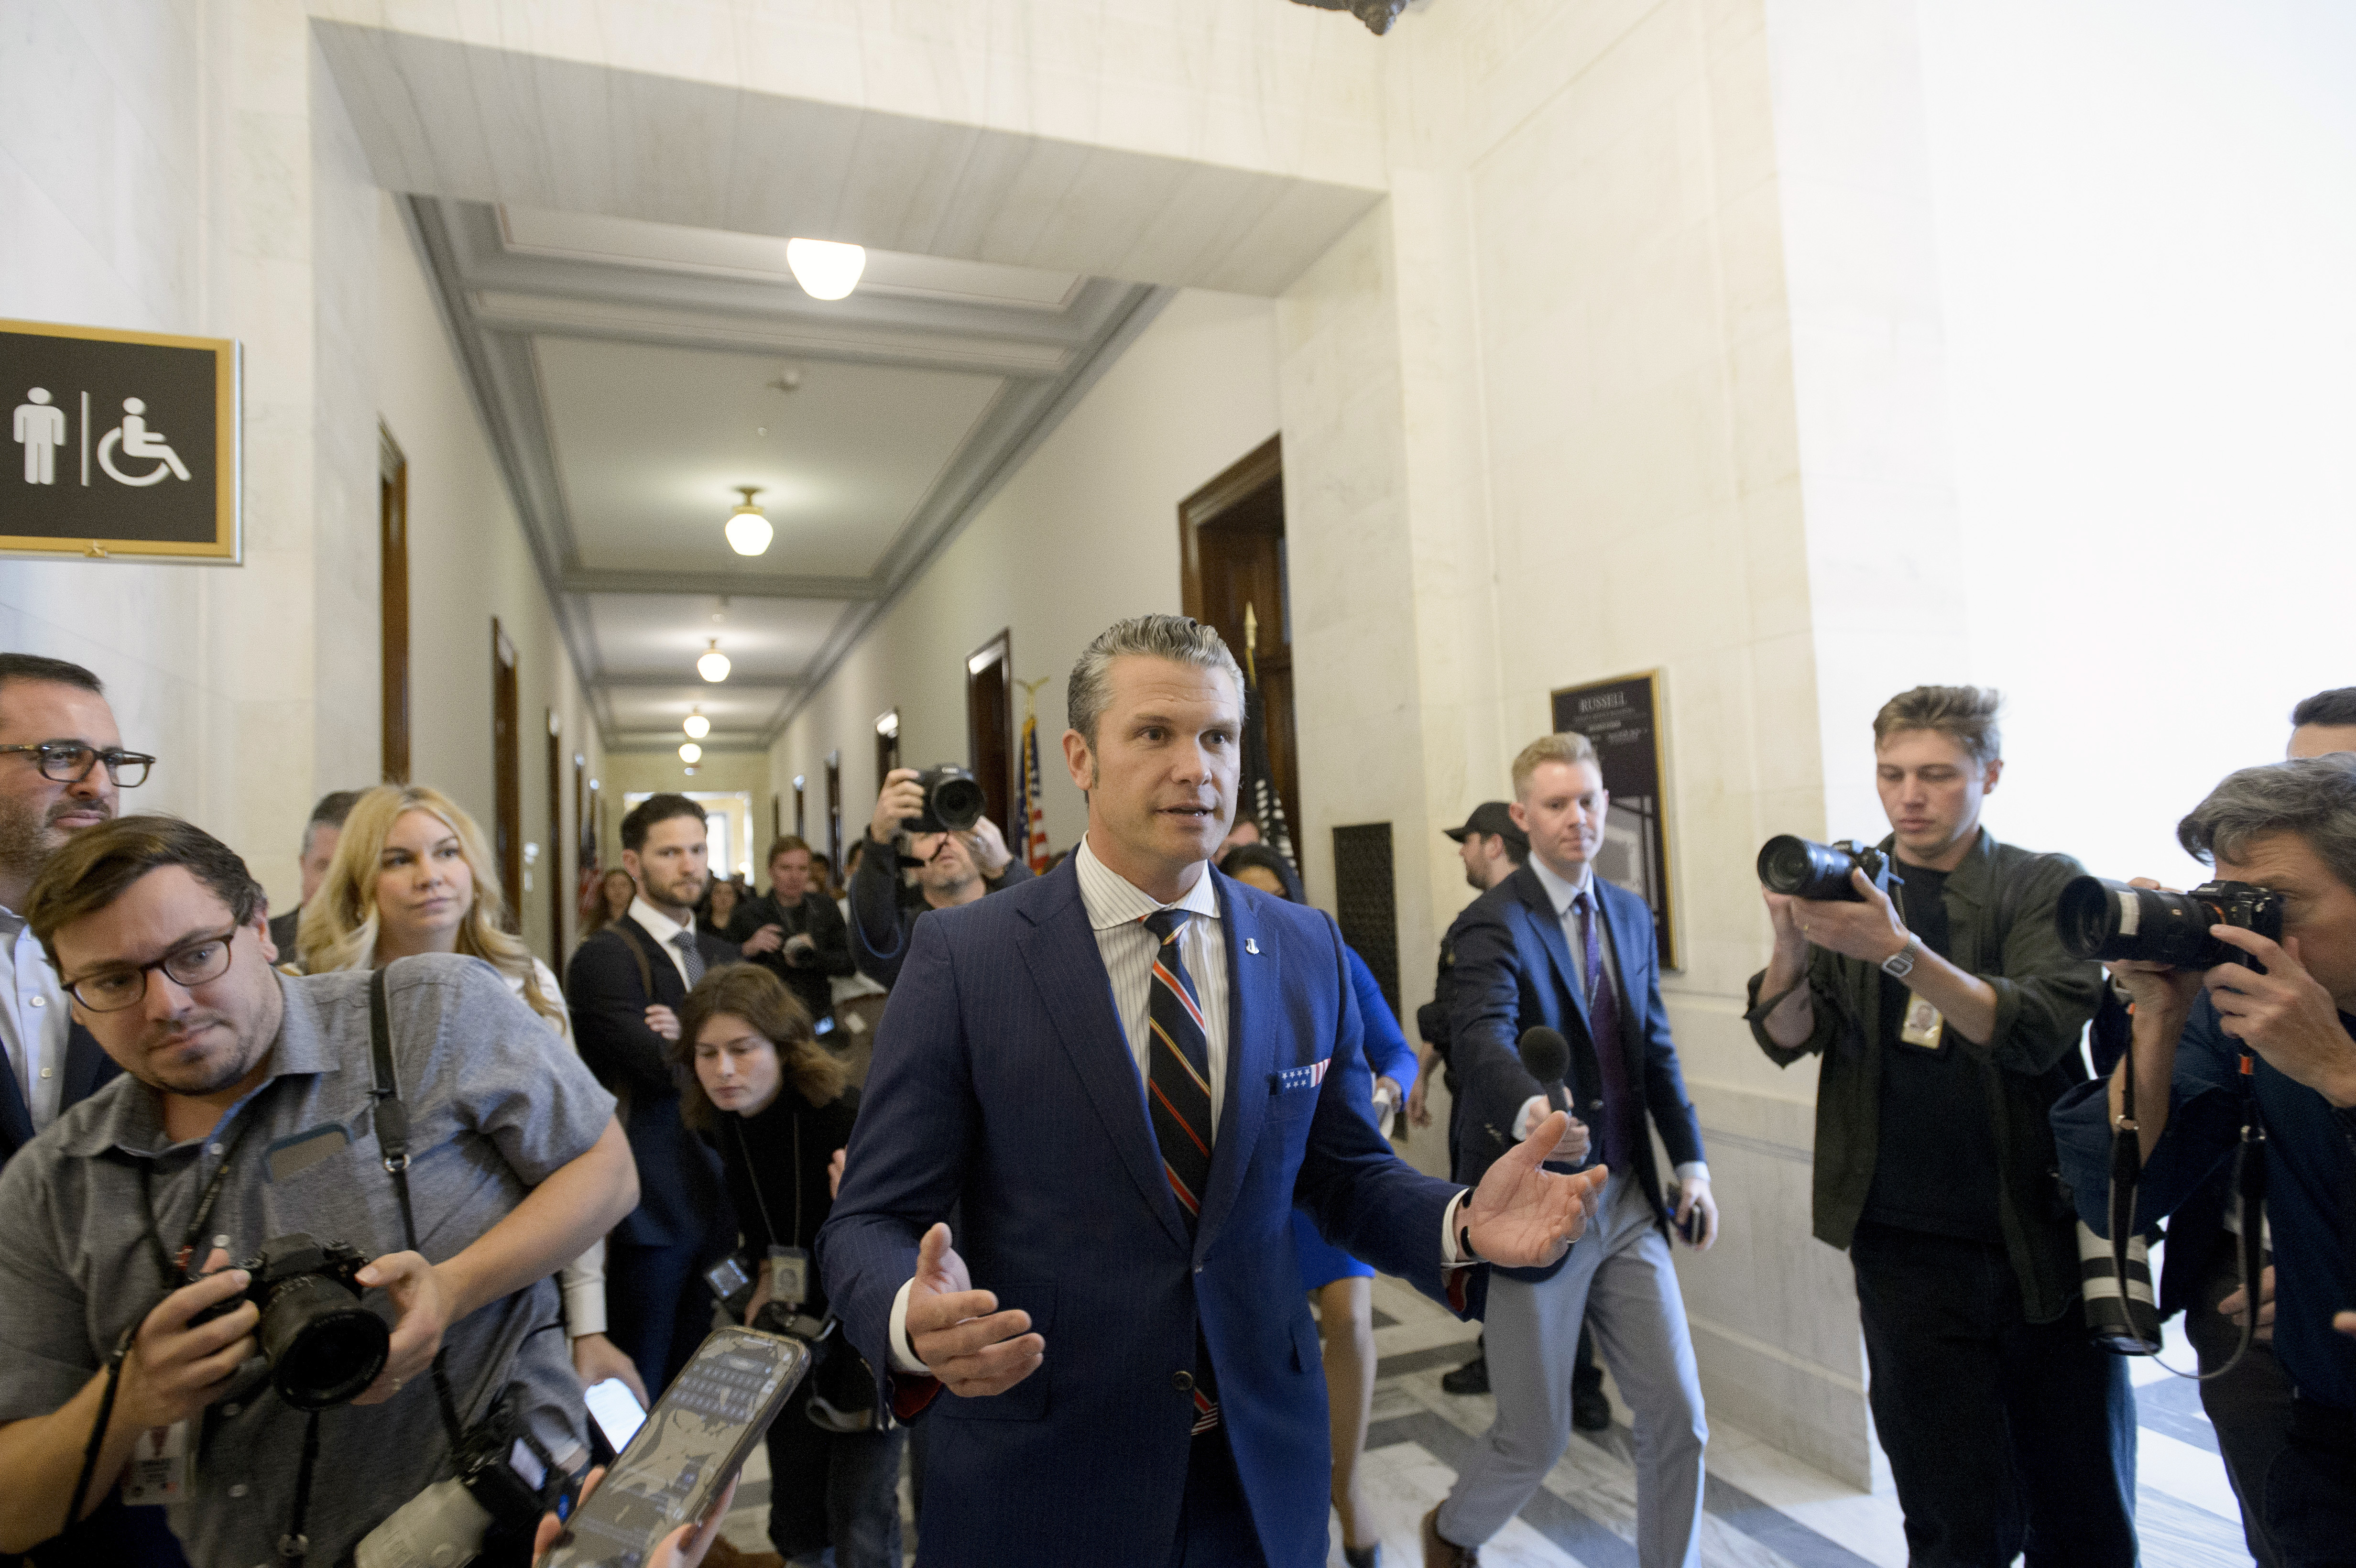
{"x": 1030, "y": 809}
{"x": 1258, "y": 785}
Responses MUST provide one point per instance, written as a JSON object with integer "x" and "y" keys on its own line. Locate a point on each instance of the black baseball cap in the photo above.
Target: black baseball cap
{"x": 1490, "y": 816}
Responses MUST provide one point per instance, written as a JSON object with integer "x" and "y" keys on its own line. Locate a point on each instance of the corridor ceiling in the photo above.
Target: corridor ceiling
{"x": 634, "y": 374}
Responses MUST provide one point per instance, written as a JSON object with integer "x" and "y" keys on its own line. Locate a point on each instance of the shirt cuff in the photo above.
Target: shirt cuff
{"x": 582, "y": 1282}
{"x": 1692, "y": 1169}
{"x": 1451, "y": 1254}
{"x": 903, "y": 1356}
{"x": 1534, "y": 1111}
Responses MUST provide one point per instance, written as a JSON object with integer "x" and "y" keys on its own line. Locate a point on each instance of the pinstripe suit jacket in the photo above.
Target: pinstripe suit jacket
{"x": 1003, "y": 1083}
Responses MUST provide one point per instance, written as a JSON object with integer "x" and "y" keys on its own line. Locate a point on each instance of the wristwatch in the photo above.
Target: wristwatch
{"x": 1901, "y": 963}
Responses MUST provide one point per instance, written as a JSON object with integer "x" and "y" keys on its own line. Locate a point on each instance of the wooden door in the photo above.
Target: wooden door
{"x": 1231, "y": 560}
{"x": 989, "y": 728}
{"x": 834, "y": 812}
{"x": 507, "y": 768}
{"x": 392, "y": 603}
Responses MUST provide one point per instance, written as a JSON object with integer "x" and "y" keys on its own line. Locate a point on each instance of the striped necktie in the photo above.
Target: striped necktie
{"x": 1178, "y": 1094}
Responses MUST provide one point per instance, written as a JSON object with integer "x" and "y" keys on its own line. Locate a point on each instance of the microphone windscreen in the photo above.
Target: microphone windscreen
{"x": 1545, "y": 1055}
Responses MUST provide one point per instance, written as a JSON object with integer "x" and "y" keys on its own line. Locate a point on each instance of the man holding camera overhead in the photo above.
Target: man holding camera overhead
{"x": 953, "y": 866}
{"x": 2283, "y": 839}
{"x": 246, "y": 1113}
{"x": 1948, "y": 1015}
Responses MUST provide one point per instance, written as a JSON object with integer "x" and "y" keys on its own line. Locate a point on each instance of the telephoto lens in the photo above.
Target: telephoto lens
{"x": 1803, "y": 868}
{"x": 953, "y": 801}
{"x": 2096, "y": 917}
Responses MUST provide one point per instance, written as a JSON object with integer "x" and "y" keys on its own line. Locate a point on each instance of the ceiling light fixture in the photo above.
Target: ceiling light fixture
{"x": 696, "y": 725}
{"x": 824, "y": 270}
{"x": 690, "y": 753}
{"x": 748, "y": 531}
{"x": 713, "y": 664}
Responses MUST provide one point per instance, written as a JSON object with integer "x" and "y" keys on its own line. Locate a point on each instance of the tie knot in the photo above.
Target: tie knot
{"x": 1164, "y": 923}
{"x": 684, "y": 939}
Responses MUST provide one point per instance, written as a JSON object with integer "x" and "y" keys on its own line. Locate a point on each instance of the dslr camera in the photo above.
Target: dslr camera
{"x": 953, "y": 801}
{"x": 1802, "y": 869}
{"x": 2107, "y": 920}
{"x": 506, "y": 1481}
{"x": 324, "y": 1348}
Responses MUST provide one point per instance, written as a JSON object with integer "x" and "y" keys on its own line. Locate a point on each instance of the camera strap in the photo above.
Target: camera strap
{"x": 392, "y": 1120}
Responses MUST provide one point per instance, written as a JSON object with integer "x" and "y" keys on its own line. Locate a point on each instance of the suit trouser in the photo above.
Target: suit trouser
{"x": 1619, "y": 1282}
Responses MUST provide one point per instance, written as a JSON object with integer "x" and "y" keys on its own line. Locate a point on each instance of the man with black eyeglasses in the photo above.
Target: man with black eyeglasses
{"x": 61, "y": 761}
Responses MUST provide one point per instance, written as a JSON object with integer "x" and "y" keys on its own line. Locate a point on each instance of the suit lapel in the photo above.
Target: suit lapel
{"x": 1255, "y": 1013}
{"x": 86, "y": 1066}
{"x": 16, "y": 1116}
{"x": 1067, "y": 967}
{"x": 1628, "y": 920}
{"x": 1539, "y": 911}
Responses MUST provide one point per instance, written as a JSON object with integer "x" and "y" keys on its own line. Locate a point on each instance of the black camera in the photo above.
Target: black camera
{"x": 506, "y": 1481}
{"x": 324, "y": 1348}
{"x": 2100, "y": 919}
{"x": 953, "y": 801}
{"x": 1805, "y": 869}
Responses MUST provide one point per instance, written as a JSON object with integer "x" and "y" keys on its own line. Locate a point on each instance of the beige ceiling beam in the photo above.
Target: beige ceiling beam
{"x": 709, "y": 584}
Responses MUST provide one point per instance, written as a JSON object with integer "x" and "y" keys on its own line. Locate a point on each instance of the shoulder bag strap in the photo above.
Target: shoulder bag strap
{"x": 393, "y": 1141}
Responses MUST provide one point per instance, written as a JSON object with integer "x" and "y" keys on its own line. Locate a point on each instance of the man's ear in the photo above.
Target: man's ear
{"x": 1079, "y": 760}
{"x": 630, "y": 863}
{"x": 1994, "y": 771}
{"x": 1521, "y": 818}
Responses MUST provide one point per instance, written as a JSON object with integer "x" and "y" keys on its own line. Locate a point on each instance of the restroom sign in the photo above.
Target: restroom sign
{"x": 119, "y": 442}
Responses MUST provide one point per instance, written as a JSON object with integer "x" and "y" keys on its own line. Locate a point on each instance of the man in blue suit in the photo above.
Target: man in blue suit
{"x": 1126, "y": 1072}
{"x": 1555, "y": 946}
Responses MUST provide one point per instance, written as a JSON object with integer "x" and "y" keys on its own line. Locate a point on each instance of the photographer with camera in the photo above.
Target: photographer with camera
{"x": 255, "y": 1114}
{"x": 956, "y": 853}
{"x": 778, "y": 1108}
{"x": 1928, "y": 977}
{"x": 795, "y": 931}
{"x": 2243, "y": 1039}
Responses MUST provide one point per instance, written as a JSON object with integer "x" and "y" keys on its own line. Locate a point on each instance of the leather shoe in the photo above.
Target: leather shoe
{"x": 1439, "y": 1551}
{"x": 1472, "y": 1377}
{"x": 1591, "y": 1410}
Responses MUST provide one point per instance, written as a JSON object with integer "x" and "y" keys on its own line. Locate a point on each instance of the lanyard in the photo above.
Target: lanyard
{"x": 753, "y": 1177}
{"x": 178, "y": 1269}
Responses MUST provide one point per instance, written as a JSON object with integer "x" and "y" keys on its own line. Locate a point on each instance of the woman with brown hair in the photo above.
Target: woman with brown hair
{"x": 775, "y": 1104}
{"x": 615, "y": 888}
{"x": 413, "y": 874}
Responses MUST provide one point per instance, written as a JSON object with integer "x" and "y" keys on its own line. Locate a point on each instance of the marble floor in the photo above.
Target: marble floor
{"x": 1763, "y": 1508}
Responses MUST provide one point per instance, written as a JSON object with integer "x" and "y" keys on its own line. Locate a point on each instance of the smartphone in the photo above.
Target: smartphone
{"x": 696, "y": 1436}
{"x": 616, "y": 1411}
{"x": 1691, "y": 1228}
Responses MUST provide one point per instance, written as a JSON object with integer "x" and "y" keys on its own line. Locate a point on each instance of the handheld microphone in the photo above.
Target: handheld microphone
{"x": 1546, "y": 1056}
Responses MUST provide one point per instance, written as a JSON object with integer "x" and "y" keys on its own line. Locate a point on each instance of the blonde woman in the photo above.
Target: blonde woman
{"x": 413, "y": 874}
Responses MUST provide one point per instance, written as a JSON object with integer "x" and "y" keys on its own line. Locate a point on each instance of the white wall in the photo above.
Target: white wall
{"x": 2146, "y": 240}
{"x": 1083, "y": 535}
{"x": 467, "y": 564}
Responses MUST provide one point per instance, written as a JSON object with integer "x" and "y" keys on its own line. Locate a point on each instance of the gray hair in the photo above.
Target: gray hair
{"x": 1178, "y": 638}
{"x": 2314, "y": 797}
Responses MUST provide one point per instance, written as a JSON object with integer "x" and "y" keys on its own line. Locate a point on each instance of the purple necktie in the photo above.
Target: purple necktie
{"x": 1620, "y": 1127}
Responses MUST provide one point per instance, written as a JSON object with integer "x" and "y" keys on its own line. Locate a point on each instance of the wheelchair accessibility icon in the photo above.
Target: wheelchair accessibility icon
{"x": 138, "y": 443}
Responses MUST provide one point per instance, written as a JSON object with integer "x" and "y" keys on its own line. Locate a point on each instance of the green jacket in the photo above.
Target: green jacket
{"x": 2000, "y": 916}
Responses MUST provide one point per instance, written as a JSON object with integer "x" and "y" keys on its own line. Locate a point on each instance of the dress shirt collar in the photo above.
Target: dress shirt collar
{"x": 658, "y": 925}
{"x": 1112, "y": 900}
{"x": 1559, "y": 892}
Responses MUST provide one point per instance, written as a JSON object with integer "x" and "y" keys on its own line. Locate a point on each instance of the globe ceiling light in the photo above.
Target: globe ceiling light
{"x": 824, "y": 270}
{"x": 713, "y": 664}
{"x": 696, "y": 725}
{"x": 749, "y": 532}
{"x": 690, "y": 753}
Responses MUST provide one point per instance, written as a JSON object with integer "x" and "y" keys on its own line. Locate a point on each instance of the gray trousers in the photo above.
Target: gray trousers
{"x": 1620, "y": 1282}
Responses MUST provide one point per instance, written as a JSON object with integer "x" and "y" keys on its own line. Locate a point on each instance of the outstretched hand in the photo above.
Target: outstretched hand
{"x": 682, "y": 1548}
{"x": 1524, "y": 1216}
{"x": 957, "y": 1331}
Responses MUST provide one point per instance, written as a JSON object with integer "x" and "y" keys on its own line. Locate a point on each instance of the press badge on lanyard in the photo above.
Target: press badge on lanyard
{"x": 159, "y": 1467}
{"x": 1923, "y": 1027}
{"x": 789, "y": 1276}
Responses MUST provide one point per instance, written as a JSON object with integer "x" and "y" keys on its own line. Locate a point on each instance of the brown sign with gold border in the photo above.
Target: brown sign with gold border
{"x": 124, "y": 443}
{"x": 1623, "y": 717}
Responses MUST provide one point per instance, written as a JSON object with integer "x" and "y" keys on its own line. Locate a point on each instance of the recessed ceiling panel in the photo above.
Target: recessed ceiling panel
{"x": 771, "y": 640}
{"x": 716, "y": 252}
{"x": 650, "y": 442}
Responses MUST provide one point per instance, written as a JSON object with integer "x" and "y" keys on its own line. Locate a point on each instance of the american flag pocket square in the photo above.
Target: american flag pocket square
{"x": 1308, "y": 1077}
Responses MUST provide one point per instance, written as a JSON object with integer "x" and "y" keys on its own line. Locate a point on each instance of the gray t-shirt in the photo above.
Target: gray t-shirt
{"x": 495, "y": 1104}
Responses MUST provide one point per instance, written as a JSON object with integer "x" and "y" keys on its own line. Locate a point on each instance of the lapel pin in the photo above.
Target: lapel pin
{"x": 1251, "y": 945}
